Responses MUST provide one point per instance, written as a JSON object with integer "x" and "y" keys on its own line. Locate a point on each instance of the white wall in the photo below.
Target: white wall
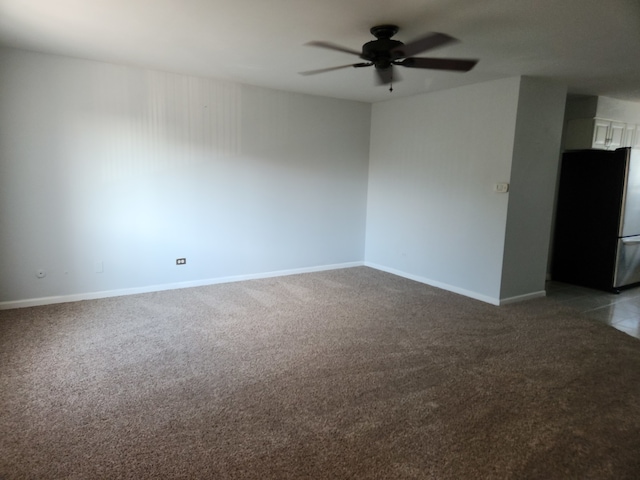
{"x": 582, "y": 106}
{"x": 432, "y": 213}
{"x": 128, "y": 169}
{"x": 133, "y": 168}
{"x": 620, "y": 110}
{"x": 534, "y": 170}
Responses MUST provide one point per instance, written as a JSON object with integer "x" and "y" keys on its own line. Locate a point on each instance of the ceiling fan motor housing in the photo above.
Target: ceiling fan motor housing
{"x": 379, "y": 51}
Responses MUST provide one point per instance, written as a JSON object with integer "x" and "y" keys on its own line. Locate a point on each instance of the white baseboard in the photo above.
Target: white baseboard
{"x": 434, "y": 283}
{"x": 522, "y": 298}
{"x": 34, "y": 302}
{"x": 461, "y": 291}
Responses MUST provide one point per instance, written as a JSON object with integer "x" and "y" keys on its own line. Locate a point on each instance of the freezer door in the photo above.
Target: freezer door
{"x": 627, "y": 261}
{"x": 630, "y": 222}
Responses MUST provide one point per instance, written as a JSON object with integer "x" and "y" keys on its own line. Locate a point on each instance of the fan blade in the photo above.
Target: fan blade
{"x": 422, "y": 44}
{"x": 385, "y": 76}
{"x": 330, "y": 69}
{"x": 323, "y": 70}
{"x": 333, "y": 46}
{"x": 460, "y": 65}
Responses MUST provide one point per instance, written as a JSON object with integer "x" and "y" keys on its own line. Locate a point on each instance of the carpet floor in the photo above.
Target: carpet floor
{"x": 344, "y": 374}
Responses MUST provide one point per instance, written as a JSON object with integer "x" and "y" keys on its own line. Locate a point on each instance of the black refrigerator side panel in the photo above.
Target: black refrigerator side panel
{"x": 588, "y": 217}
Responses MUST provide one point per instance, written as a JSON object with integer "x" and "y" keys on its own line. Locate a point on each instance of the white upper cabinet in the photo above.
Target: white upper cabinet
{"x": 600, "y": 133}
{"x": 630, "y": 135}
{"x": 600, "y": 138}
{"x": 616, "y": 135}
{"x": 636, "y": 138}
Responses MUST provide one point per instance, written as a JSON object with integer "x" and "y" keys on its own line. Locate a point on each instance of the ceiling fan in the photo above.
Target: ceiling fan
{"x": 384, "y": 53}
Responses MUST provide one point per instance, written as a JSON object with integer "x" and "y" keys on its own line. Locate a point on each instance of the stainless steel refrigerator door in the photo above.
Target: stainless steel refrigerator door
{"x": 630, "y": 221}
{"x": 627, "y": 261}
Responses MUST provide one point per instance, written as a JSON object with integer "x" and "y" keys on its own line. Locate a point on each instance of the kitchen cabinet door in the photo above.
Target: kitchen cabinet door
{"x": 616, "y": 135}
{"x": 636, "y": 138}
{"x": 629, "y": 135}
{"x": 600, "y": 134}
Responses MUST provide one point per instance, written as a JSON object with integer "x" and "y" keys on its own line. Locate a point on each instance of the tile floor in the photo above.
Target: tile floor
{"x": 621, "y": 311}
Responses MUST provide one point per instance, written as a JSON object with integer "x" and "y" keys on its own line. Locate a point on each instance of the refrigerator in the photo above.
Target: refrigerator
{"x": 597, "y": 229}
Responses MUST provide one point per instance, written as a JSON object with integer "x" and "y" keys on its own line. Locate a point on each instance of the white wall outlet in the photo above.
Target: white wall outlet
{"x": 98, "y": 267}
{"x": 41, "y": 273}
{"x": 181, "y": 261}
{"x": 502, "y": 187}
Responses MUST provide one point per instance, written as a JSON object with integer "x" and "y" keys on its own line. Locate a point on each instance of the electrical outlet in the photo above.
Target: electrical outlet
{"x": 501, "y": 187}
{"x": 181, "y": 261}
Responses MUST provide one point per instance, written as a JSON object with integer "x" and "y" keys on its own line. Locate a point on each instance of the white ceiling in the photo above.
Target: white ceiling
{"x": 593, "y": 46}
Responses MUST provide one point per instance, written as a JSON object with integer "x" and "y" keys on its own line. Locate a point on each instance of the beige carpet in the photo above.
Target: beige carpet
{"x": 347, "y": 374}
